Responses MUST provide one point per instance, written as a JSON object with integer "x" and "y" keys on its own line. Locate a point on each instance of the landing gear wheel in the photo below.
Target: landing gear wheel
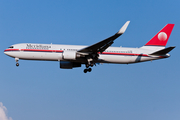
{"x": 17, "y": 64}
{"x": 85, "y": 70}
{"x": 89, "y": 70}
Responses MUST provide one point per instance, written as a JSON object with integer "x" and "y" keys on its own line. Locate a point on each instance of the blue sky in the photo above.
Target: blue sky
{"x": 41, "y": 90}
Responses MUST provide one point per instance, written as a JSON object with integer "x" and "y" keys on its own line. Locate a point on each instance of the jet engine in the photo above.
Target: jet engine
{"x": 69, "y": 65}
{"x": 69, "y": 55}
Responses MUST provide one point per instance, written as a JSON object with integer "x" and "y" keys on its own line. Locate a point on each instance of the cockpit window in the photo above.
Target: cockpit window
{"x": 11, "y": 47}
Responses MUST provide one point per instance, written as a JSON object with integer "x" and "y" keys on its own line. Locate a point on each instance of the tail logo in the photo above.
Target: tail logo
{"x": 162, "y": 36}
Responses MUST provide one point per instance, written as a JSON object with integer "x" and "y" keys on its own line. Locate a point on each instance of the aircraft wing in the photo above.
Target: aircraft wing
{"x": 104, "y": 44}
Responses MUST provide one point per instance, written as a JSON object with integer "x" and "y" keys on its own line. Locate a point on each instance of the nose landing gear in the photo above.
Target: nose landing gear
{"x": 17, "y": 59}
{"x": 17, "y": 64}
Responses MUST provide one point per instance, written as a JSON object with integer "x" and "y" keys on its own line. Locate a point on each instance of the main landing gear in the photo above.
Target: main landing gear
{"x": 17, "y": 59}
{"x": 87, "y": 67}
{"x": 87, "y": 70}
{"x": 90, "y": 62}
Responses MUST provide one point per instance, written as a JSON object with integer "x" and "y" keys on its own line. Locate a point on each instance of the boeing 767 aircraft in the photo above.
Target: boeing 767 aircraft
{"x": 71, "y": 56}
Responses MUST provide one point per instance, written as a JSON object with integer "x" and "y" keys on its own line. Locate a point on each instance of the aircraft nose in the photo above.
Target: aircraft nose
{"x": 9, "y": 52}
{"x": 6, "y": 52}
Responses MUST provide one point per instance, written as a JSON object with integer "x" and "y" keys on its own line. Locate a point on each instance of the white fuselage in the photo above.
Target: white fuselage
{"x": 54, "y": 52}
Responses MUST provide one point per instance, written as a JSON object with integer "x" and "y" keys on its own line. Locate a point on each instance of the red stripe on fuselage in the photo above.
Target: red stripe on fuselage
{"x": 60, "y": 51}
{"x": 33, "y": 50}
{"x": 11, "y": 50}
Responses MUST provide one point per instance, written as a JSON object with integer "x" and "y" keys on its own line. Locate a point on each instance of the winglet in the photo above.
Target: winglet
{"x": 123, "y": 29}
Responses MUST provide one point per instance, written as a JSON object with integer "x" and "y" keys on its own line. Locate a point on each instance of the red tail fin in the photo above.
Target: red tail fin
{"x": 161, "y": 38}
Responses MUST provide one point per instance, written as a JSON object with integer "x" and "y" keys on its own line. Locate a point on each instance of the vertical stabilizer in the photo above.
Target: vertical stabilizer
{"x": 161, "y": 38}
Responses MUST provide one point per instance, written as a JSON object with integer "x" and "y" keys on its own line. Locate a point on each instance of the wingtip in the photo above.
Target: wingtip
{"x": 124, "y": 27}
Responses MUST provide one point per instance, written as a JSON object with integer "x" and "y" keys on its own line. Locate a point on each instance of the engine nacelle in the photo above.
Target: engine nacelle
{"x": 69, "y": 65}
{"x": 69, "y": 55}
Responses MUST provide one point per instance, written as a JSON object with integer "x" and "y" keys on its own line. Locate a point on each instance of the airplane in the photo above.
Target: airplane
{"x": 71, "y": 56}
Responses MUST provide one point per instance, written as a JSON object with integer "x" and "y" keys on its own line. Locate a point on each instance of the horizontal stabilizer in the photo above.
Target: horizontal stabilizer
{"x": 163, "y": 51}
